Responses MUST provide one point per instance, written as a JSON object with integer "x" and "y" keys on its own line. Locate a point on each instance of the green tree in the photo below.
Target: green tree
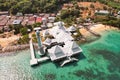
{"x": 24, "y": 40}
{"x": 17, "y": 28}
{"x": 34, "y": 38}
{"x": 38, "y": 24}
{"x": 23, "y": 31}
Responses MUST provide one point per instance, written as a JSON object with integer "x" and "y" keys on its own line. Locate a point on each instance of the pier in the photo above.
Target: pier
{"x": 92, "y": 32}
{"x": 43, "y": 59}
{"x": 33, "y": 60}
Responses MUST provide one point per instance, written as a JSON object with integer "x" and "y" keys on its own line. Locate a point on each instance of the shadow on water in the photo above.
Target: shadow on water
{"x": 80, "y": 56}
{"x": 57, "y": 64}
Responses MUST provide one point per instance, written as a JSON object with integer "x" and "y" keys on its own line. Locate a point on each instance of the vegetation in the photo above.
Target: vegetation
{"x": 31, "y": 6}
{"x": 69, "y": 15}
{"x": 112, "y": 3}
{"x": 24, "y": 31}
{"x": 38, "y": 24}
{"x": 115, "y": 23}
{"x": 34, "y": 38}
{"x": 29, "y": 27}
{"x": 24, "y": 39}
{"x": 108, "y": 20}
{"x": 17, "y": 28}
{"x": 36, "y": 6}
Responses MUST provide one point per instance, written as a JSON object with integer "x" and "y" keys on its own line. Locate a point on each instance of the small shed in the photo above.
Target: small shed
{"x": 44, "y": 26}
{"x": 19, "y": 14}
{"x": 71, "y": 29}
{"x": 4, "y": 13}
{"x": 118, "y": 12}
{"x": 51, "y": 19}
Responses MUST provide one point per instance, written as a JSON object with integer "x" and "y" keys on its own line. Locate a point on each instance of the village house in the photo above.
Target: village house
{"x": 4, "y": 13}
{"x": 101, "y": 12}
{"x": 118, "y": 14}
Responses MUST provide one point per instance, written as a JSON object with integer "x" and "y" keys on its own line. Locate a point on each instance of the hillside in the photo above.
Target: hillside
{"x": 30, "y": 6}
{"x": 36, "y": 6}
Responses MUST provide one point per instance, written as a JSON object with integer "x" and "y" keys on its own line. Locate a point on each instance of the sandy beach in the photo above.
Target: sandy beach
{"x": 98, "y": 28}
{"x": 6, "y": 41}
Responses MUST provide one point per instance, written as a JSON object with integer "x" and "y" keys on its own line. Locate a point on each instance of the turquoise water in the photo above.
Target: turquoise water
{"x": 99, "y": 61}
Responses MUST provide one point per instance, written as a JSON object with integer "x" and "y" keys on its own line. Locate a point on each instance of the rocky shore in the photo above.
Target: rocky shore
{"x": 15, "y": 48}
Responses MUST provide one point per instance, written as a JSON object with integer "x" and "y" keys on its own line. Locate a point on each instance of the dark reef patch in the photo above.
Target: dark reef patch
{"x": 50, "y": 76}
{"x": 113, "y": 77}
{"x": 88, "y": 74}
{"x": 111, "y": 57}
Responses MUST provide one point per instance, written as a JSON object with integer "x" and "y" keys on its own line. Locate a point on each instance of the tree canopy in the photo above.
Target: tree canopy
{"x": 34, "y": 6}
{"x": 30, "y": 6}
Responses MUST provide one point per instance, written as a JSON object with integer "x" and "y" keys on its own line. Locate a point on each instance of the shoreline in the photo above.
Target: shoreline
{"x": 98, "y": 28}
{"x": 16, "y": 48}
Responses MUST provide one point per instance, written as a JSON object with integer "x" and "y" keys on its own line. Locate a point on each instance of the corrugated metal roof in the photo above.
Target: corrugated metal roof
{"x": 102, "y": 11}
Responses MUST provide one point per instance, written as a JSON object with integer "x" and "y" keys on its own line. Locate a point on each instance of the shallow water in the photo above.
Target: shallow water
{"x": 99, "y": 61}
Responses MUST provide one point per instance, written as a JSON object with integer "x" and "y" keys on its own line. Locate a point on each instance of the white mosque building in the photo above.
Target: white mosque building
{"x": 61, "y": 35}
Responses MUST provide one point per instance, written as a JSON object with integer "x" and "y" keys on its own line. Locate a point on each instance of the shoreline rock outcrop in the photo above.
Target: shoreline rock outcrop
{"x": 16, "y": 48}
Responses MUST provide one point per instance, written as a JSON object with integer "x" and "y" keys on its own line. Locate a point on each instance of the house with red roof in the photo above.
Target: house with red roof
{"x": 39, "y": 19}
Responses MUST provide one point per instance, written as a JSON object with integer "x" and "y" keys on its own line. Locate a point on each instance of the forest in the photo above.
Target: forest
{"x": 46, "y": 6}
{"x": 30, "y": 6}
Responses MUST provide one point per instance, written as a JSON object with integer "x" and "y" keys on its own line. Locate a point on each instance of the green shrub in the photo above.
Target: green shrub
{"x": 17, "y": 28}
{"x": 34, "y": 38}
{"x": 23, "y": 31}
{"x": 24, "y": 39}
{"x": 38, "y": 24}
